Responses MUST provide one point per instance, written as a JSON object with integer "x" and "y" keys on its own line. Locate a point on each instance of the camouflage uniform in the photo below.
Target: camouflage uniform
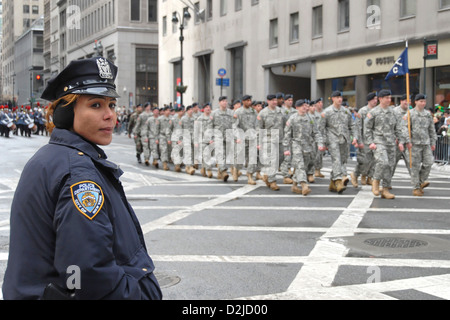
{"x": 318, "y": 163}
{"x": 140, "y": 122}
{"x": 365, "y": 158}
{"x": 382, "y": 128}
{"x": 203, "y": 135}
{"x": 244, "y": 127}
{"x": 400, "y": 114}
{"x": 302, "y": 133}
{"x": 423, "y": 137}
{"x": 187, "y": 124}
{"x": 165, "y": 124}
{"x": 271, "y": 151}
{"x": 337, "y": 129}
{"x": 287, "y": 162}
{"x": 223, "y": 121}
{"x": 150, "y": 132}
{"x": 177, "y": 135}
{"x": 131, "y": 125}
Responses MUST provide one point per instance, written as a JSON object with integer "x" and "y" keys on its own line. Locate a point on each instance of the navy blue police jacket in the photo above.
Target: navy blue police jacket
{"x": 70, "y": 209}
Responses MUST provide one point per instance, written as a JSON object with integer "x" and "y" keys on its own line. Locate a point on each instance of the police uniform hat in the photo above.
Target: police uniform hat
{"x": 336, "y": 94}
{"x": 421, "y": 96}
{"x": 94, "y": 76}
{"x": 384, "y": 93}
{"x": 222, "y": 98}
{"x": 371, "y": 96}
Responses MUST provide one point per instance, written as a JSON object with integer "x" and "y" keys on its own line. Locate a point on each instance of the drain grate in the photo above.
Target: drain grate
{"x": 396, "y": 243}
{"x": 166, "y": 280}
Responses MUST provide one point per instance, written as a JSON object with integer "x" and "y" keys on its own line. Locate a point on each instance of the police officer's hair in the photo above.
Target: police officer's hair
{"x": 64, "y": 102}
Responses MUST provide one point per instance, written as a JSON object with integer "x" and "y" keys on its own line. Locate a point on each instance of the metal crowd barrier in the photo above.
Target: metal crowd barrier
{"x": 442, "y": 152}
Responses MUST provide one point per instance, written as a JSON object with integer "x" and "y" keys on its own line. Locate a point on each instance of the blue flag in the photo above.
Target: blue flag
{"x": 400, "y": 67}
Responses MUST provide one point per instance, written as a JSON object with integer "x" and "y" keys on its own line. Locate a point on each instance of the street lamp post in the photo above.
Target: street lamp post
{"x": 186, "y": 16}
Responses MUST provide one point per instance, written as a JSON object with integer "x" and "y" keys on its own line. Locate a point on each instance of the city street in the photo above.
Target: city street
{"x": 212, "y": 240}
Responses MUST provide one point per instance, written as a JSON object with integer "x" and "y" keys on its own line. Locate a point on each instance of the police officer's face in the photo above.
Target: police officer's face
{"x": 95, "y": 118}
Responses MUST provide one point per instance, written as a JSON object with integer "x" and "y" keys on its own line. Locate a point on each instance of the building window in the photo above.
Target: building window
{"x": 273, "y": 33}
{"x": 223, "y": 7}
{"x": 152, "y": 10}
{"x": 26, "y": 8}
{"x": 444, "y": 4}
{"x": 146, "y": 75}
{"x": 237, "y": 5}
{"x": 164, "y": 26}
{"x": 407, "y": 8}
{"x": 317, "y": 22}
{"x": 294, "y": 35}
{"x": 197, "y": 16}
{"x": 255, "y": 2}
{"x": 209, "y": 10}
{"x": 35, "y": 9}
{"x": 344, "y": 15}
{"x": 237, "y": 58}
{"x": 135, "y": 10}
{"x": 442, "y": 85}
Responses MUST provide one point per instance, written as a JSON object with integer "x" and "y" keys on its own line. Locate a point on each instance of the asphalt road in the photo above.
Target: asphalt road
{"x": 212, "y": 240}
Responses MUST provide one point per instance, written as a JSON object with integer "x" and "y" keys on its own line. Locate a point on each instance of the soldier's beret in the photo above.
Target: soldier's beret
{"x": 280, "y": 95}
{"x": 336, "y": 94}
{"x": 421, "y": 96}
{"x": 271, "y": 97}
{"x": 300, "y": 102}
{"x": 222, "y": 98}
{"x": 188, "y": 108}
{"x": 371, "y": 96}
{"x": 403, "y": 97}
{"x": 93, "y": 76}
{"x": 236, "y": 102}
{"x": 246, "y": 97}
{"x": 384, "y": 93}
{"x": 288, "y": 96}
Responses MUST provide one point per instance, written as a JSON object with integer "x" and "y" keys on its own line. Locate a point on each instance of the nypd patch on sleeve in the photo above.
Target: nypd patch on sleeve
{"x": 88, "y": 198}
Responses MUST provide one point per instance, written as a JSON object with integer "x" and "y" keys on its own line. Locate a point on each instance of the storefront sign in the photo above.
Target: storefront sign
{"x": 385, "y": 60}
{"x": 431, "y": 50}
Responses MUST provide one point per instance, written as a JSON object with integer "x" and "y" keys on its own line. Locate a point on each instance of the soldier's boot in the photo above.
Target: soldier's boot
{"x": 296, "y": 189}
{"x": 225, "y": 176}
{"x": 305, "y": 189}
{"x": 288, "y": 181}
{"x": 376, "y": 187}
{"x": 165, "y": 166}
{"x": 177, "y": 168}
{"x": 190, "y": 170}
{"x": 138, "y": 156}
{"x": 424, "y": 185}
{"x": 196, "y": 166}
{"x": 234, "y": 173}
{"x": 369, "y": 181}
{"x": 290, "y": 172}
{"x": 354, "y": 179}
{"x": 273, "y": 186}
{"x": 385, "y": 194}
{"x": 345, "y": 181}
{"x": 418, "y": 193}
{"x": 266, "y": 180}
{"x": 332, "y": 186}
{"x": 318, "y": 174}
{"x": 203, "y": 172}
{"x": 210, "y": 174}
{"x": 363, "y": 180}
{"x": 250, "y": 179}
{"x": 147, "y": 163}
{"x": 258, "y": 176}
{"x": 311, "y": 178}
{"x": 155, "y": 163}
{"x": 340, "y": 187}
{"x": 219, "y": 175}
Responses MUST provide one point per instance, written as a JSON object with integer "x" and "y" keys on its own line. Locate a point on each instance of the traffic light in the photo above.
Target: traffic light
{"x": 38, "y": 77}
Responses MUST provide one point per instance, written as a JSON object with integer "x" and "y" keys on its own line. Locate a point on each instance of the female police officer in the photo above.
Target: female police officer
{"x": 73, "y": 233}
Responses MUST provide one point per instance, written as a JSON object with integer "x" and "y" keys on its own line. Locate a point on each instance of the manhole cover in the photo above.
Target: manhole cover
{"x": 395, "y": 243}
{"x": 166, "y": 280}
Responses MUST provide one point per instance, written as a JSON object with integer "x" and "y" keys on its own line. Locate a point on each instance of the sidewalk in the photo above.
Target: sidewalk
{"x": 440, "y": 167}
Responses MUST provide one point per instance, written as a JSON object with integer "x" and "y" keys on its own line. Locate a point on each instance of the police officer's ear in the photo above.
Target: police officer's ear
{"x": 63, "y": 115}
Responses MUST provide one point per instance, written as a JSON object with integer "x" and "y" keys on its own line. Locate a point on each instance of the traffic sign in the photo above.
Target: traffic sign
{"x": 222, "y": 73}
{"x": 223, "y": 82}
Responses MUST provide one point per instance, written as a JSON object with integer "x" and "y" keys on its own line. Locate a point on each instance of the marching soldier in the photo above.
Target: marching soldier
{"x": 222, "y": 121}
{"x": 381, "y": 130}
{"x": 187, "y": 124}
{"x": 301, "y": 137}
{"x": 288, "y": 110}
{"x": 365, "y": 161}
{"x": 337, "y": 127}
{"x": 203, "y": 134}
{"x": 131, "y": 125}
{"x": 142, "y": 119}
{"x": 271, "y": 125}
{"x": 423, "y": 139}
{"x": 400, "y": 112}
{"x": 245, "y": 123}
{"x": 177, "y": 138}
{"x": 150, "y": 136}
{"x": 165, "y": 124}
{"x": 318, "y": 163}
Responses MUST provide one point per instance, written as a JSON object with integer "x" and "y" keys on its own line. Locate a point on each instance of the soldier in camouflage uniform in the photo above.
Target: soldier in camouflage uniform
{"x": 365, "y": 161}
{"x": 223, "y": 121}
{"x": 131, "y": 125}
{"x": 288, "y": 110}
{"x": 423, "y": 139}
{"x": 150, "y": 136}
{"x": 337, "y": 127}
{"x": 400, "y": 112}
{"x": 381, "y": 130}
{"x": 318, "y": 163}
{"x": 203, "y": 135}
{"x": 246, "y": 135}
{"x": 141, "y": 120}
{"x": 177, "y": 138}
{"x": 301, "y": 137}
{"x": 187, "y": 124}
{"x": 271, "y": 125}
{"x": 165, "y": 125}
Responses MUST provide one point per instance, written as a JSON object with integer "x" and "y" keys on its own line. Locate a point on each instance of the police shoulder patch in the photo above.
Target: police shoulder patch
{"x": 88, "y": 198}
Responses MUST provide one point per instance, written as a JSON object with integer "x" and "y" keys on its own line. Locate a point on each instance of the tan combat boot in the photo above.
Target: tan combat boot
{"x": 369, "y": 181}
{"x": 318, "y": 174}
{"x": 219, "y": 175}
{"x": 250, "y": 179}
{"x": 376, "y": 187}
{"x": 203, "y": 172}
{"x": 332, "y": 186}
{"x": 418, "y": 193}
{"x": 225, "y": 175}
{"x": 363, "y": 180}
{"x": 266, "y": 180}
{"x": 305, "y": 189}
{"x": 424, "y": 185}
{"x": 288, "y": 181}
{"x": 273, "y": 186}
{"x": 155, "y": 163}
{"x": 385, "y": 194}
{"x": 210, "y": 174}
{"x": 296, "y": 189}
{"x": 177, "y": 168}
{"x": 340, "y": 187}
{"x": 165, "y": 166}
{"x": 311, "y": 178}
{"x": 234, "y": 173}
{"x": 258, "y": 176}
{"x": 354, "y": 179}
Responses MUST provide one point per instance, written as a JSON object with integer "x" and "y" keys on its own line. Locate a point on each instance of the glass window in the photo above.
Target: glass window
{"x": 238, "y": 72}
{"x": 223, "y": 7}
{"x": 348, "y": 88}
{"x": 209, "y": 9}
{"x": 444, "y": 4}
{"x": 344, "y": 15}
{"x": 135, "y": 8}
{"x": 294, "y": 29}
{"x": 373, "y": 13}
{"x": 442, "y": 86}
{"x": 152, "y": 10}
{"x": 273, "y": 33}
{"x": 237, "y": 5}
{"x": 146, "y": 75}
{"x": 317, "y": 22}
{"x": 407, "y": 8}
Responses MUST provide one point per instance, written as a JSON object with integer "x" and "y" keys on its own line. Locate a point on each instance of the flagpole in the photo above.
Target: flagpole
{"x": 409, "y": 114}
